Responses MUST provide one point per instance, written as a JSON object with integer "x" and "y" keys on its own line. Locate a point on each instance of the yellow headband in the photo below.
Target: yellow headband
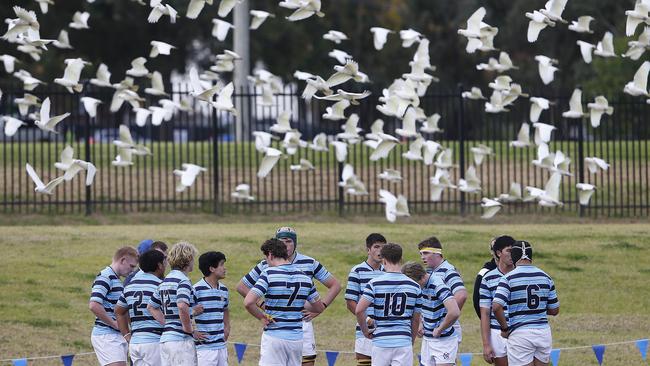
{"x": 431, "y": 250}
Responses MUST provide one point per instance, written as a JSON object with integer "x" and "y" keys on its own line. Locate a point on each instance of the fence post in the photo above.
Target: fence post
{"x": 581, "y": 159}
{"x": 87, "y": 156}
{"x": 215, "y": 161}
{"x": 341, "y": 197}
{"x": 461, "y": 143}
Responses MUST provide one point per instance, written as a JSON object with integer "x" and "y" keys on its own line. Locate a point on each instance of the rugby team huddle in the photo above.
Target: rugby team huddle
{"x": 157, "y": 319}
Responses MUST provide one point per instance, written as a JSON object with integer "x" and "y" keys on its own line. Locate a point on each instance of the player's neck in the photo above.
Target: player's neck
{"x": 505, "y": 268}
{"x": 212, "y": 281}
{"x": 374, "y": 265}
{"x": 524, "y": 262}
{"x": 391, "y": 267}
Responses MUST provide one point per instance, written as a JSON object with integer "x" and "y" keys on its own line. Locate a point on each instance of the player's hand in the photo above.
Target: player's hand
{"x": 367, "y": 333}
{"x": 115, "y": 326}
{"x": 488, "y": 354}
{"x": 127, "y": 337}
{"x": 267, "y": 320}
{"x": 226, "y": 334}
{"x": 436, "y": 332}
{"x": 198, "y": 335}
{"x": 421, "y": 330}
{"x": 307, "y": 315}
{"x": 505, "y": 334}
{"x": 197, "y": 310}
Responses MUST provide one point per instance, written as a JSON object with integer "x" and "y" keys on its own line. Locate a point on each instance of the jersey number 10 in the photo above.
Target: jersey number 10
{"x": 394, "y": 304}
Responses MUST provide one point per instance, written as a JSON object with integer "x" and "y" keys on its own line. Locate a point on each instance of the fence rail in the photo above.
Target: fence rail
{"x": 224, "y": 145}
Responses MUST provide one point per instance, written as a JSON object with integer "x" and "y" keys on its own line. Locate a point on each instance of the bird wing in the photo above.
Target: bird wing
{"x": 45, "y": 110}
{"x": 268, "y": 162}
{"x": 524, "y": 133}
{"x": 641, "y": 75}
{"x": 194, "y": 9}
{"x": 35, "y": 178}
{"x": 575, "y": 104}
{"x": 382, "y": 150}
{"x": 552, "y": 187}
{"x": 67, "y": 155}
{"x": 341, "y": 150}
{"x": 225, "y": 95}
{"x": 125, "y": 135}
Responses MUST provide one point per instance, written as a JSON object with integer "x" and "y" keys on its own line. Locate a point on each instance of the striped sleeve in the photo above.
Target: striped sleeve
{"x": 485, "y": 295}
{"x": 353, "y": 290}
{"x": 320, "y": 272}
{"x": 121, "y": 302}
{"x": 261, "y": 286}
{"x": 154, "y": 300}
{"x": 419, "y": 302}
{"x": 313, "y": 295}
{"x": 185, "y": 293}
{"x": 443, "y": 293}
{"x": 249, "y": 279}
{"x": 454, "y": 281}
{"x": 553, "y": 302}
{"x": 502, "y": 294}
{"x": 101, "y": 288}
{"x": 226, "y": 298}
{"x": 369, "y": 293}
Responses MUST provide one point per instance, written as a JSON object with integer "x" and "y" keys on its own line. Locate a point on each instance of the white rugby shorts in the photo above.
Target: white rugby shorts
{"x": 499, "y": 345}
{"x": 397, "y": 356}
{"x": 280, "y": 352}
{"x": 212, "y": 357}
{"x": 528, "y": 343}
{"x": 363, "y": 346}
{"x": 308, "y": 339}
{"x": 145, "y": 354}
{"x": 109, "y": 348}
{"x": 179, "y": 353}
{"x": 458, "y": 331}
{"x": 439, "y": 351}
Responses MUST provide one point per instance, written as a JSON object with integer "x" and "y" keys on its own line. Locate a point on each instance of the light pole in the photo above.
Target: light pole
{"x": 241, "y": 20}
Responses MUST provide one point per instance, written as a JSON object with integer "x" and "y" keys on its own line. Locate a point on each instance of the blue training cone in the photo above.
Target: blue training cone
{"x": 599, "y": 351}
{"x": 642, "y": 345}
{"x": 555, "y": 357}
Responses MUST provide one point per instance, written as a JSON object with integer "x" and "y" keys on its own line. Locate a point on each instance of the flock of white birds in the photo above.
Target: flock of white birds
{"x": 400, "y": 100}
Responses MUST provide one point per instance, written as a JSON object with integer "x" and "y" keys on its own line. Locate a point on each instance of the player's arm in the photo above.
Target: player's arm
{"x": 250, "y": 303}
{"x": 123, "y": 320}
{"x": 488, "y": 353}
{"x": 416, "y": 325}
{"x": 552, "y": 302}
{"x": 156, "y": 313}
{"x": 351, "y": 305}
{"x": 226, "y": 324}
{"x": 460, "y": 296}
{"x": 96, "y": 304}
{"x": 360, "y": 312}
{"x": 453, "y": 312}
{"x": 101, "y": 314}
{"x": 501, "y": 297}
{"x": 242, "y": 289}
{"x": 184, "y": 315}
{"x": 333, "y": 288}
{"x": 499, "y": 314}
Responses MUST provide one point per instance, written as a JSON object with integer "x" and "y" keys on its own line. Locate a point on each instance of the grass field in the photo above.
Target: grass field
{"x": 601, "y": 271}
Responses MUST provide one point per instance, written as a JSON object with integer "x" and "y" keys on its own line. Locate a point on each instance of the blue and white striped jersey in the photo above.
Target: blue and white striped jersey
{"x": 285, "y": 289}
{"x": 450, "y": 276}
{"x": 434, "y": 294}
{"x": 528, "y": 292}
{"x": 487, "y": 291}
{"x": 175, "y": 288}
{"x": 136, "y": 295}
{"x": 394, "y": 299}
{"x": 307, "y": 265}
{"x": 359, "y": 276}
{"x": 210, "y": 322}
{"x": 106, "y": 290}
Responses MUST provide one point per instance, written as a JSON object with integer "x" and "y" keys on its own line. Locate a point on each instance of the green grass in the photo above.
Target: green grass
{"x": 601, "y": 271}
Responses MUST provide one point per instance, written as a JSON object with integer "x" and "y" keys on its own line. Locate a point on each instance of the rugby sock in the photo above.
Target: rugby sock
{"x": 308, "y": 359}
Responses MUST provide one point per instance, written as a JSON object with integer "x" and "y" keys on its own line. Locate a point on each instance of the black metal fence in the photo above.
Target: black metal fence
{"x": 225, "y": 146}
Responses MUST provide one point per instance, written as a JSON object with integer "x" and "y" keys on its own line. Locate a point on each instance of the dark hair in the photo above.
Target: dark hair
{"x": 414, "y": 271}
{"x": 150, "y": 259}
{"x": 374, "y": 238}
{"x": 210, "y": 259}
{"x": 276, "y": 248}
{"x": 392, "y": 253}
{"x": 160, "y": 245}
{"x": 519, "y": 248}
{"x": 501, "y": 242}
{"x": 431, "y": 242}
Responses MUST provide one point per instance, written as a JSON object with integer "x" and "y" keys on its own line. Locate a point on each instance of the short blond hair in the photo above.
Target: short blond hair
{"x": 181, "y": 255}
{"x": 414, "y": 271}
{"x": 125, "y": 252}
